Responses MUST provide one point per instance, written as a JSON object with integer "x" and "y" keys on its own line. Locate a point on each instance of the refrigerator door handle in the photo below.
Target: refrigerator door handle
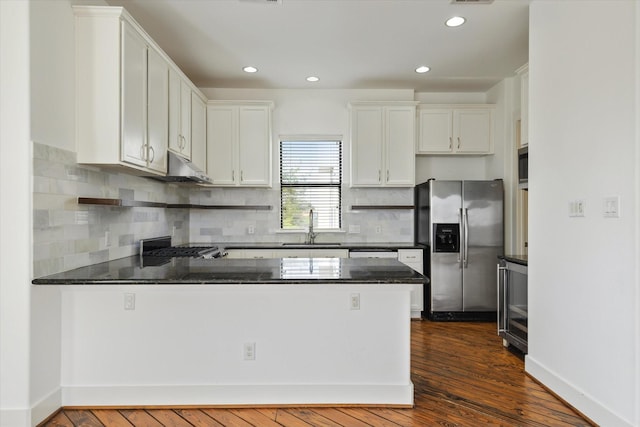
{"x": 466, "y": 238}
{"x": 460, "y": 246}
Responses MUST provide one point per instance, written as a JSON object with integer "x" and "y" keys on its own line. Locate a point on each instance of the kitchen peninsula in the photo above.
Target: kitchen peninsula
{"x": 236, "y": 332}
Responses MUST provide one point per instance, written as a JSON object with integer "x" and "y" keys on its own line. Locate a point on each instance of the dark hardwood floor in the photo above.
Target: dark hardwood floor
{"x": 462, "y": 374}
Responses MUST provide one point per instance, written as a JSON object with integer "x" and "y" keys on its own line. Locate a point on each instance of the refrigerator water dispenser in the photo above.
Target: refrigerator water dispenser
{"x": 446, "y": 237}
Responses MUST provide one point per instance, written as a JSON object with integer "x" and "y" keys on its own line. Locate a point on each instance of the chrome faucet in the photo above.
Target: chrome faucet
{"x": 311, "y": 236}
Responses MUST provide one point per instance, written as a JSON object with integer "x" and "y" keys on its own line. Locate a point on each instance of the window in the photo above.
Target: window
{"x": 310, "y": 178}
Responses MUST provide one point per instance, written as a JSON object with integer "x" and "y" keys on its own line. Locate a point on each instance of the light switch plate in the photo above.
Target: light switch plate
{"x": 611, "y": 207}
{"x": 577, "y": 208}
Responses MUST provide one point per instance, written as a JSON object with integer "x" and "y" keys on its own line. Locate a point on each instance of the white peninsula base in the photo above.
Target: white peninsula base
{"x": 191, "y": 344}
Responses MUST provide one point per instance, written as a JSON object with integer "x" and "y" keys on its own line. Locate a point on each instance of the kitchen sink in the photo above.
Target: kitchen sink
{"x": 309, "y": 245}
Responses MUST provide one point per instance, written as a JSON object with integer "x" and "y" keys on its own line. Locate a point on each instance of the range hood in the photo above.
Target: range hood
{"x": 182, "y": 170}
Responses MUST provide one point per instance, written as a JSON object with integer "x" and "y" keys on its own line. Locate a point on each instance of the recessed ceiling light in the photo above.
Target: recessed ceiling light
{"x": 250, "y": 69}
{"x": 422, "y": 69}
{"x": 312, "y": 79}
{"x": 456, "y": 21}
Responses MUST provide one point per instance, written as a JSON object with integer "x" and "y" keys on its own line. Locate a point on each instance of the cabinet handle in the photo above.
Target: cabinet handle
{"x": 387, "y": 175}
{"x": 379, "y": 175}
{"x": 241, "y": 176}
{"x": 143, "y": 152}
{"x": 153, "y": 154}
{"x": 450, "y": 143}
{"x": 458, "y": 143}
{"x": 233, "y": 175}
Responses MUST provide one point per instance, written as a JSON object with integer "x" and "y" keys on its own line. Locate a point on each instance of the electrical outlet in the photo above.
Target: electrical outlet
{"x": 354, "y": 228}
{"x": 251, "y": 229}
{"x": 355, "y": 301}
{"x": 249, "y": 351}
{"x": 173, "y": 231}
{"x": 107, "y": 239}
{"x": 378, "y": 229}
{"x": 129, "y": 301}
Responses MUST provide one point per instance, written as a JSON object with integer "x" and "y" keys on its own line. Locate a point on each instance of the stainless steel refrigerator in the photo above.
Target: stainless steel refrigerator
{"x": 461, "y": 225}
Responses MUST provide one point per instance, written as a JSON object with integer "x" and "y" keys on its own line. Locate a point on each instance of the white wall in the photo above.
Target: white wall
{"x": 52, "y": 74}
{"x": 584, "y": 143}
{"x": 502, "y": 164}
{"x": 15, "y": 214}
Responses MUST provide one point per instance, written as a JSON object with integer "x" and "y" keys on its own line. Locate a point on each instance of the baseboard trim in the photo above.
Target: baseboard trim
{"x": 39, "y": 411}
{"x": 584, "y": 404}
{"x": 46, "y": 406}
{"x": 239, "y": 395}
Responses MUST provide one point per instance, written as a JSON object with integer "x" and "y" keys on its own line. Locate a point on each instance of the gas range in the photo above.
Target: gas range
{"x": 160, "y": 247}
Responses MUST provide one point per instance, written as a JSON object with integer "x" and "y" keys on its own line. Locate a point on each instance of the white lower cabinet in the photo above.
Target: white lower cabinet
{"x": 311, "y": 253}
{"x": 287, "y": 253}
{"x": 249, "y": 253}
{"x": 409, "y": 257}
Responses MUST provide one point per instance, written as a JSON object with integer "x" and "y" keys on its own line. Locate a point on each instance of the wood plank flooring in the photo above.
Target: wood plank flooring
{"x": 462, "y": 375}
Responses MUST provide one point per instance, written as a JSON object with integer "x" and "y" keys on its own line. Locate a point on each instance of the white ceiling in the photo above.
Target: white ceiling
{"x": 356, "y": 44}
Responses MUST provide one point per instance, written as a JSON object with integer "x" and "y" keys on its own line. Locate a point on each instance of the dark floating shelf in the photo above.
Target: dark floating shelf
{"x": 135, "y": 203}
{"x": 381, "y": 207}
{"x": 228, "y": 207}
{"x": 119, "y": 202}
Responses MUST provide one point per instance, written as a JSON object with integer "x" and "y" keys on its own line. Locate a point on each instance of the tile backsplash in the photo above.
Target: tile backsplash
{"x": 215, "y": 226}
{"x": 67, "y": 235}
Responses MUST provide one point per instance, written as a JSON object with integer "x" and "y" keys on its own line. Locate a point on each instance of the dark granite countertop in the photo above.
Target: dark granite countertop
{"x": 350, "y": 246}
{"x": 133, "y": 270}
{"x": 518, "y": 259}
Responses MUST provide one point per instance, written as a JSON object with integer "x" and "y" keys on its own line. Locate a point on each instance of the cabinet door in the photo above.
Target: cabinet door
{"x": 435, "y": 126}
{"x": 524, "y": 108}
{"x": 221, "y": 134}
{"x": 257, "y": 253}
{"x": 185, "y": 117}
{"x": 366, "y": 146}
{"x": 134, "y": 97}
{"x": 198, "y": 132}
{"x": 157, "y": 110}
{"x": 400, "y": 146}
{"x": 473, "y": 131}
{"x": 329, "y": 253}
{"x": 176, "y": 142}
{"x": 254, "y": 146}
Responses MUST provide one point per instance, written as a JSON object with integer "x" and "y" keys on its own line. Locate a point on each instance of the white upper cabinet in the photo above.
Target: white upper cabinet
{"x": 382, "y": 144}
{"x": 179, "y": 115}
{"x": 198, "y": 131}
{"x": 523, "y": 72}
{"x": 157, "y": 110}
{"x": 122, "y": 92}
{"x": 455, "y": 129}
{"x": 133, "y": 103}
{"x": 239, "y": 143}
